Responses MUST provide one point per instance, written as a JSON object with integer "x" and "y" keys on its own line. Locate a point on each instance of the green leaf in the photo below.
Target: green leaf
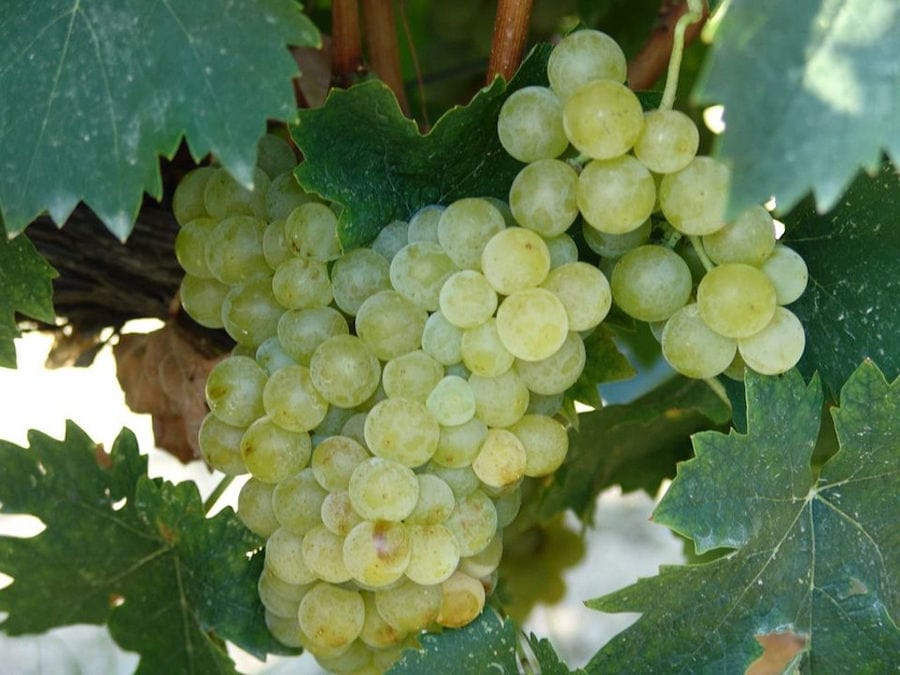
{"x": 487, "y": 645}
{"x": 362, "y": 152}
{"x": 548, "y": 658}
{"x": 94, "y": 90}
{"x": 816, "y": 557}
{"x": 135, "y": 553}
{"x": 811, "y": 91}
{"x": 25, "y": 279}
{"x": 604, "y": 363}
{"x": 850, "y": 307}
{"x": 635, "y": 445}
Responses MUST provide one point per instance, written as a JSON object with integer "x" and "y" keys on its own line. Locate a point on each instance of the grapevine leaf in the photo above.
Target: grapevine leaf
{"x": 94, "y": 90}
{"x": 362, "y": 152}
{"x": 635, "y": 445}
{"x": 487, "y": 645}
{"x": 825, "y": 81}
{"x": 25, "y": 279}
{"x": 122, "y": 549}
{"x": 850, "y": 306}
{"x": 815, "y": 557}
{"x": 604, "y": 363}
{"x": 548, "y": 658}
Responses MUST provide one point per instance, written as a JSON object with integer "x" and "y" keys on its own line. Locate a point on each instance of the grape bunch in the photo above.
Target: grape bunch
{"x": 713, "y": 291}
{"x": 387, "y": 401}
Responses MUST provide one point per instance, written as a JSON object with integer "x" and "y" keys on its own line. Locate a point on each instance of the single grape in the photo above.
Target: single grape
{"x": 334, "y": 460}
{"x": 485, "y": 561}
{"x": 434, "y": 554}
{"x": 331, "y": 616}
{"x": 583, "y": 291}
{"x": 473, "y": 522}
{"x": 280, "y": 598}
{"x": 499, "y": 401}
{"x": 483, "y": 352}
{"x": 284, "y": 558}
{"x": 270, "y": 355}
{"x": 442, "y": 340}
{"x": 617, "y": 195}
{"x": 409, "y": 606}
{"x": 603, "y": 119}
{"x": 345, "y": 371}
{"x": 693, "y": 199}
{"x": 748, "y": 239}
{"x": 356, "y": 276}
{"x": 507, "y": 506}
{"x": 451, "y": 402}
{"x": 390, "y": 324}
{"x": 736, "y": 300}
{"x": 461, "y": 480}
{"x": 275, "y": 246}
{"x": 250, "y": 312}
{"x": 302, "y": 283}
{"x": 515, "y": 259}
{"x": 532, "y": 323}
{"x": 462, "y": 599}
{"x": 271, "y": 453}
{"x": 459, "y": 445}
{"x": 402, "y": 430}
{"x": 377, "y": 553}
{"x": 545, "y": 442}
{"x": 542, "y": 197}
{"x": 190, "y": 246}
{"x": 220, "y": 445}
{"x": 224, "y": 196}
{"x": 275, "y": 155}
{"x": 237, "y": 254}
{"x": 323, "y": 553}
{"x": 338, "y": 514}
{"x": 788, "y": 273}
{"x": 423, "y": 224}
{"x": 301, "y": 331}
{"x": 234, "y": 390}
{"x": 255, "y": 507}
{"x": 651, "y": 283}
{"x": 615, "y": 245}
{"x": 563, "y": 249}
{"x": 418, "y": 272}
{"x": 382, "y": 489}
{"x": 391, "y": 238}
{"x": 411, "y": 376}
{"x": 776, "y": 348}
{"x": 285, "y": 195}
{"x": 187, "y": 202}
{"x": 530, "y": 125}
{"x": 583, "y": 56}
{"x": 202, "y": 300}
{"x": 311, "y": 231}
{"x": 668, "y": 141}
{"x": 464, "y": 229}
{"x": 501, "y": 460}
{"x": 284, "y": 629}
{"x": 694, "y": 349}
{"x": 436, "y": 501}
{"x": 378, "y": 633}
{"x": 292, "y": 401}
{"x": 467, "y": 299}
{"x": 297, "y": 502}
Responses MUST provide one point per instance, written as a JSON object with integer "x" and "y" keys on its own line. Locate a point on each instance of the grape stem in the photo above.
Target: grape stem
{"x": 692, "y": 15}
{"x": 216, "y": 494}
{"x": 701, "y": 252}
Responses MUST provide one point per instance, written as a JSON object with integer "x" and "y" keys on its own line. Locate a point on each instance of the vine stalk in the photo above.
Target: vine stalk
{"x": 346, "y": 42}
{"x": 381, "y": 41}
{"x": 508, "y": 42}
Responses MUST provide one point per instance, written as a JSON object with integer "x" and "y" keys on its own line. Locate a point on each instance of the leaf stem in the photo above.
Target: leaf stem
{"x": 216, "y": 494}
{"x": 697, "y": 243}
{"x": 692, "y": 15}
{"x": 508, "y": 42}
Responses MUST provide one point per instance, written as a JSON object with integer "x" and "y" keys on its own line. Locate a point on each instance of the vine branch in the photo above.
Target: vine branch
{"x": 381, "y": 40}
{"x": 346, "y": 43}
{"x": 508, "y": 42}
{"x": 648, "y": 65}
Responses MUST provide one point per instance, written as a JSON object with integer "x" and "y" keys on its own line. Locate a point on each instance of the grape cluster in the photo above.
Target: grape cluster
{"x": 631, "y": 175}
{"x": 387, "y": 401}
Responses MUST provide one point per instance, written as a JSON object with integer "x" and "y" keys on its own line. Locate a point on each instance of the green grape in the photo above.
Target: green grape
{"x": 284, "y": 629}
{"x": 280, "y": 598}
{"x": 530, "y": 125}
{"x": 736, "y": 368}
{"x": 187, "y": 202}
{"x": 748, "y": 239}
{"x": 507, "y": 506}
{"x": 462, "y": 599}
{"x": 301, "y": 331}
{"x": 736, "y": 300}
{"x": 515, "y": 259}
{"x": 435, "y": 503}
{"x": 603, "y": 119}
{"x": 611, "y": 245}
{"x": 220, "y": 445}
{"x": 271, "y": 453}
{"x": 297, "y": 502}
{"x": 255, "y": 507}
{"x": 332, "y": 424}
{"x": 459, "y": 445}
{"x": 485, "y": 561}
{"x": 292, "y": 401}
{"x": 382, "y": 489}
{"x": 776, "y": 348}
{"x": 377, "y": 633}
{"x": 358, "y": 275}
{"x": 693, "y": 200}
{"x": 504, "y": 210}
{"x": 391, "y": 238}
{"x": 532, "y": 323}
{"x": 451, "y": 402}
{"x": 542, "y": 197}
{"x": 583, "y": 291}
{"x": 354, "y": 428}
{"x": 250, "y": 312}
{"x": 235, "y": 251}
{"x": 338, "y": 514}
{"x": 354, "y": 659}
{"x": 270, "y": 355}
{"x": 668, "y": 141}
{"x": 465, "y": 228}
{"x": 402, "y": 430}
{"x": 617, "y": 195}
{"x": 501, "y": 460}
{"x": 651, "y": 283}
{"x": 334, "y": 460}
{"x": 562, "y": 250}
{"x": 467, "y": 299}
{"x": 284, "y": 558}
{"x": 275, "y": 248}
{"x": 442, "y": 340}
{"x": 331, "y": 616}
{"x": 345, "y": 371}
{"x": 323, "y": 553}
{"x": 788, "y": 273}
{"x": 411, "y": 376}
{"x": 202, "y": 299}
{"x": 544, "y": 404}
{"x": 583, "y": 56}
{"x": 301, "y": 283}
{"x": 311, "y": 231}
{"x": 190, "y": 246}
{"x": 499, "y": 401}
{"x": 692, "y": 348}
{"x": 377, "y": 553}
{"x": 418, "y": 271}
{"x": 473, "y": 522}
{"x": 434, "y": 554}
{"x": 461, "y": 480}
{"x": 409, "y": 606}
{"x": 390, "y": 324}
{"x": 224, "y": 196}
{"x": 285, "y": 195}
{"x": 234, "y": 390}
{"x": 545, "y": 441}
{"x": 483, "y": 352}
{"x": 423, "y": 225}
{"x": 275, "y": 155}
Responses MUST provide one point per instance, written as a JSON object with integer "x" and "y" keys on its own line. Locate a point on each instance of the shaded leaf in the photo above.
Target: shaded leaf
{"x": 635, "y": 445}
{"x": 811, "y": 91}
{"x": 604, "y": 363}
{"x": 94, "y": 90}
{"x": 548, "y": 658}
{"x": 122, "y": 549}
{"x": 850, "y": 307}
{"x": 360, "y": 151}
{"x": 816, "y": 557}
